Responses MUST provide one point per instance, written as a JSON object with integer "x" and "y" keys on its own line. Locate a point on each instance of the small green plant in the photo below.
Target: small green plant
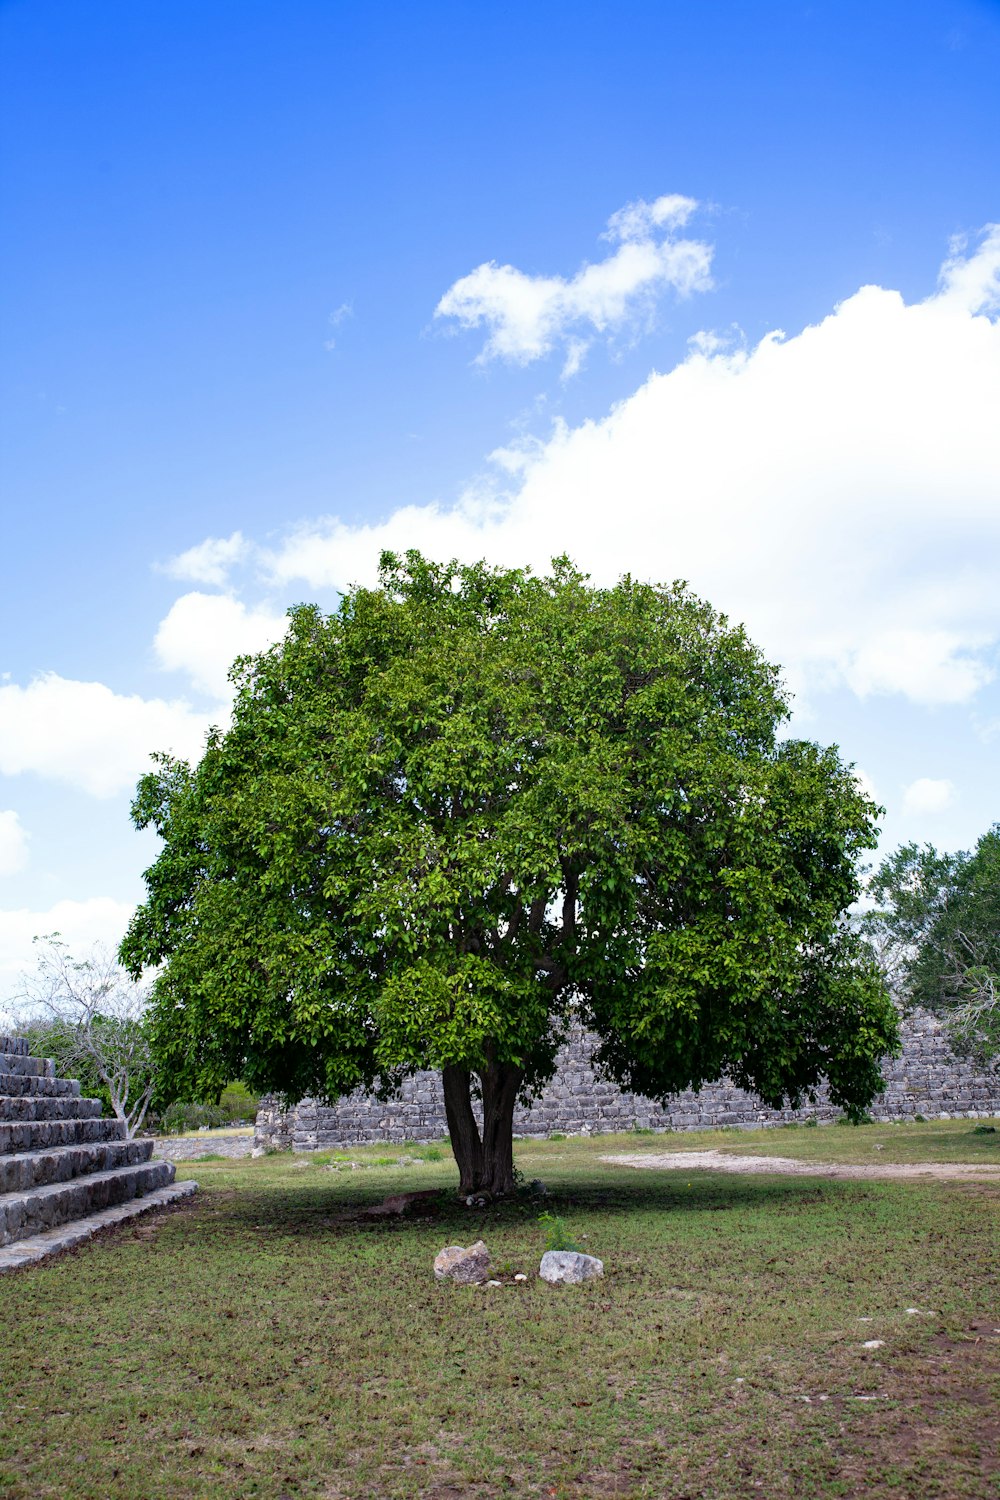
{"x": 385, "y": 1161}
{"x": 556, "y": 1237}
{"x": 920, "y": 1119}
{"x": 432, "y": 1154}
{"x": 864, "y": 1119}
{"x": 636, "y": 1129}
{"x": 984, "y": 1130}
{"x": 812, "y": 1123}
{"x": 557, "y": 1135}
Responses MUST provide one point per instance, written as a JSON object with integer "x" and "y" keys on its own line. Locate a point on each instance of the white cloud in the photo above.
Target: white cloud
{"x": 927, "y": 796}
{"x": 836, "y": 490}
{"x": 528, "y": 316}
{"x": 345, "y": 310}
{"x": 211, "y": 561}
{"x": 973, "y": 281}
{"x": 13, "y": 844}
{"x": 639, "y": 220}
{"x": 85, "y": 734}
{"x": 866, "y": 784}
{"x": 204, "y": 633}
{"x": 79, "y": 923}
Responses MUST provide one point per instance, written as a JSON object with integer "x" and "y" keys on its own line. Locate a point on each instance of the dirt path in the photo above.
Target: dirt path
{"x": 721, "y": 1161}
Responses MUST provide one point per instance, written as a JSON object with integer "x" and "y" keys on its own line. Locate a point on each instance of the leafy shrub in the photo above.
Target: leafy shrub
{"x": 238, "y": 1104}
{"x": 432, "y": 1154}
{"x": 182, "y": 1116}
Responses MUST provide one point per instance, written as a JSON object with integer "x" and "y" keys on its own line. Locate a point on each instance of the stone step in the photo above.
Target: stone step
{"x": 32, "y": 1169}
{"x": 41, "y": 1107}
{"x": 36, "y": 1135}
{"x": 42, "y": 1208}
{"x": 31, "y": 1067}
{"x": 16, "y": 1046}
{"x": 24, "y": 1083}
{"x": 35, "y": 1247}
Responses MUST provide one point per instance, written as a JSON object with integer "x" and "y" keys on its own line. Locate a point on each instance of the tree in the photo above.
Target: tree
{"x": 473, "y": 802}
{"x": 936, "y": 928}
{"x": 90, "y": 1016}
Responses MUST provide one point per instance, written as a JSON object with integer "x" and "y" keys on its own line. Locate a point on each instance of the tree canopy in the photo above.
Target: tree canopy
{"x": 473, "y": 802}
{"x": 936, "y": 927}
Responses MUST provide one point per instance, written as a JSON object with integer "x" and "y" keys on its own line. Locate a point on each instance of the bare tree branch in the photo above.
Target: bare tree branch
{"x": 100, "y": 1015}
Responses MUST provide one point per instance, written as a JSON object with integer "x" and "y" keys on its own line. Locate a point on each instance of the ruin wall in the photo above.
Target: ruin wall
{"x": 927, "y": 1079}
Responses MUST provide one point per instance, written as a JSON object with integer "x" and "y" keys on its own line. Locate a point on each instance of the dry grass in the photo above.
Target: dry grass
{"x": 262, "y": 1342}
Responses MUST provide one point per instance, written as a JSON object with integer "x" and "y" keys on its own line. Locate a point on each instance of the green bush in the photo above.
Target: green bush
{"x": 238, "y": 1104}
{"x": 182, "y": 1116}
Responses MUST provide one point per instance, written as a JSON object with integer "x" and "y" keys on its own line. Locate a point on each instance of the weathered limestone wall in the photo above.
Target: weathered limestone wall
{"x": 927, "y": 1079}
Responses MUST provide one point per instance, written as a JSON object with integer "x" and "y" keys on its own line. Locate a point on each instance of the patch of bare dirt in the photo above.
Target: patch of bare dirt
{"x": 721, "y": 1161}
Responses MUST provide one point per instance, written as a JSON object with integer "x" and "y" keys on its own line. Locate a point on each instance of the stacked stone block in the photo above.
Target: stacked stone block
{"x": 927, "y": 1079}
{"x": 65, "y": 1171}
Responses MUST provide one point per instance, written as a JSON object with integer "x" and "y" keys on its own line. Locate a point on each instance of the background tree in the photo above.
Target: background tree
{"x": 936, "y": 929}
{"x": 474, "y": 800}
{"x": 91, "y": 1017}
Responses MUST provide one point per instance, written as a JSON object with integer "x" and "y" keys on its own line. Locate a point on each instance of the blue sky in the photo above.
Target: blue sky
{"x": 701, "y": 291}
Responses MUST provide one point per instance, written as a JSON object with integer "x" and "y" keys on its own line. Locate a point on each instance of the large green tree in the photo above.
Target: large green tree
{"x": 935, "y": 925}
{"x": 473, "y": 801}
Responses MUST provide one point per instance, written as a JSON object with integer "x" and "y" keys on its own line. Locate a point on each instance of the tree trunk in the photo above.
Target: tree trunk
{"x": 462, "y": 1128}
{"x": 485, "y": 1162}
{"x": 500, "y": 1085}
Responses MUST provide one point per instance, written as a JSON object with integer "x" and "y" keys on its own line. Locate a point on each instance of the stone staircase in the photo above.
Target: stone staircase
{"x": 64, "y": 1171}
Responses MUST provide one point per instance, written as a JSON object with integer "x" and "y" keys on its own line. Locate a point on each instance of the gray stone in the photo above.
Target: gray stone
{"x": 176, "y": 1148}
{"x": 569, "y": 1267}
{"x": 64, "y": 1170}
{"x": 927, "y": 1079}
{"x": 465, "y": 1266}
{"x": 36, "y": 1247}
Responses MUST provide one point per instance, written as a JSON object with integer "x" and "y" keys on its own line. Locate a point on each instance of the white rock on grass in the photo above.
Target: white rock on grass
{"x": 568, "y": 1267}
{"x": 467, "y": 1266}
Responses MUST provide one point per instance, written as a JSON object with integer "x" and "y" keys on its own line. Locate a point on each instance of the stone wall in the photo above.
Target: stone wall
{"x": 928, "y": 1079}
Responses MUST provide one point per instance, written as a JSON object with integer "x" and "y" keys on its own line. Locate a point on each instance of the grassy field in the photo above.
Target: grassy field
{"x": 263, "y": 1341}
